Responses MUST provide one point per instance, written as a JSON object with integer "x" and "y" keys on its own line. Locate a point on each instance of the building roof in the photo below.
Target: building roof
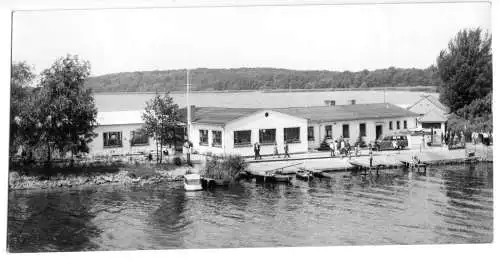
{"x": 433, "y": 116}
{"x": 119, "y": 117}
{"x": 348, "y": 112}
{"x": 433, "y": 100}
{"x": 221, "y": 116}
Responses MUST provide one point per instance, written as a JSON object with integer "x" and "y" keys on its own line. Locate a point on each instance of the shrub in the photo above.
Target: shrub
{"x": 224, "y": 167}
{"x": 177, "y": 161}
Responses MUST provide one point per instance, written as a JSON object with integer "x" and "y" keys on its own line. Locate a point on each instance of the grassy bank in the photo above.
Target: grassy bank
{"x": 118, "y": 173}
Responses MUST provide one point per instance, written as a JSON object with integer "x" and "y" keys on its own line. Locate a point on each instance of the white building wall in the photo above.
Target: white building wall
{"x": 96, "y": 147}
{"x": 320, "y": 130}
{"x": 210, "y": 148}
{"x": 254, "y": 123}
{"x": 274, "y": 120}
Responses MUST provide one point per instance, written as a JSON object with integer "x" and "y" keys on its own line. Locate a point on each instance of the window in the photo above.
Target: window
{"x": 328, "y": 130}
{"x": 292, "y": 135}
{"x": 390, "y": 125}
{"x": 310, "y": 133}
{"x": 242, "y": 138}
{"x": 216, "y": 138}
{"x": 398, "y": 125}
{"x": 330, "y": 102}
{"x": 204, "y": 137}
{"x": 405, "y": 125}
{"x": 138, "y": 138}
{"x": 362, "y": 129}
{"x": 345, "y": 130}
{"x": 267, "y": 136}
{"x": 112, "y": 139}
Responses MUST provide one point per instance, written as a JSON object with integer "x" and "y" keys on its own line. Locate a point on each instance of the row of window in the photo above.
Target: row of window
{"x": 328, "y": 131}
{"x": 266, "y": 136}
{"x": 345, "y": 130}
{"x": 216, "y": 138}
{"x": 114, "y": 139}
{"x": 398, "y": 125}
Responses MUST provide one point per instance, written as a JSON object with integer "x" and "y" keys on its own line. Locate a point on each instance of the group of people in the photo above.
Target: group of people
{"x": 481, "y": 137}
{"x": 256, "y": 150}
{"x": 459, "y": 138}
{"x": 343, "y": 147}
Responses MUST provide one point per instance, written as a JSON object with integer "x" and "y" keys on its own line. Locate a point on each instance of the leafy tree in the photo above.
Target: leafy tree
{"x": 465, "y": 69}
{"x": 161, "y": 116}
{"x": 22, "y": 77}
{"x": 65, "y": 110}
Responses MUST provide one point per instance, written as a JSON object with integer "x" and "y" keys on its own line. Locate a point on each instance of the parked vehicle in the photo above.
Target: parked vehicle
{"x": 391, "y": 142}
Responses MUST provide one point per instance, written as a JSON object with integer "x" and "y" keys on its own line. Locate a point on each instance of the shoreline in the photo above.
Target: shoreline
{"x": 124, "y": 175}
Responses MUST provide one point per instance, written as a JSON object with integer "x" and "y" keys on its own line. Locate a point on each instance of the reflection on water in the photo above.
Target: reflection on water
{"x": 452, "y": 204}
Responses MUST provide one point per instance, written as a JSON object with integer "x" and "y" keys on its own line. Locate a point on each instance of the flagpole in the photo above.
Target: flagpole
{"x": 188, "y": 124}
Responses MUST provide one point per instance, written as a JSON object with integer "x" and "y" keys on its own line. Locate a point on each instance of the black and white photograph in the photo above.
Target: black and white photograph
{"x": 250, "y": 126}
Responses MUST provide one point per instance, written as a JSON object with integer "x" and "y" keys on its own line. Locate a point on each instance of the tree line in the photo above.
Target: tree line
{"x": 261, "y": 79}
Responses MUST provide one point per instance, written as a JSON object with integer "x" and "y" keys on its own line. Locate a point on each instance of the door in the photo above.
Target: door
{"x": 378, "y": 131}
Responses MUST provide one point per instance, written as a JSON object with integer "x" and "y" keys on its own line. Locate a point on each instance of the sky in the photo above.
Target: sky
{"x": 337, "y": 37}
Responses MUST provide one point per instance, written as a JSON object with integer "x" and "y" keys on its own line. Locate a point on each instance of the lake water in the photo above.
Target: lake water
{"x": 137, "y": 101}
{"x": 452, "y": 204}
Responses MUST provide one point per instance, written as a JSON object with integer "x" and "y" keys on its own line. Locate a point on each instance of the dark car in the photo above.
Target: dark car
{"x": 387, "y": 142}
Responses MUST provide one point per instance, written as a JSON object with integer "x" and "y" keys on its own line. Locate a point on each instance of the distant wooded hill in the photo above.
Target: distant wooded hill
{"x": 203, "y": 79}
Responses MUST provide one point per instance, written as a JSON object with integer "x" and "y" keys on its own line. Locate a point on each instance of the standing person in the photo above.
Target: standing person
{"x": 286, "y": 150}
{"x": 188, "y": 145}
{"x": 255, "y": 151}
{"x": 276, "y": 153}
{"x": 342, "y": 147}
{"x": 258, "y": 150}
{"x": 357, "y": 149}
{"x": 370, "y": 151}
{"x": 486, "y": 138}
{"x": 332, "y": 149}
{"x": 335, "y": 146}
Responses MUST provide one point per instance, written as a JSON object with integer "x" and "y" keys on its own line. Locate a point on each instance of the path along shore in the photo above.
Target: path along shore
{"x": 322, "y": 161}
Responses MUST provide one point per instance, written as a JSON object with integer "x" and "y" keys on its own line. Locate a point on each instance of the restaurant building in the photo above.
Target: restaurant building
{"x": 216, "y": 130}
{"x": 234, "y": 131}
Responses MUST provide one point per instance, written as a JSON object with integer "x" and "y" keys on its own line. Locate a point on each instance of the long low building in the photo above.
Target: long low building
{"x": 234, "y": 130}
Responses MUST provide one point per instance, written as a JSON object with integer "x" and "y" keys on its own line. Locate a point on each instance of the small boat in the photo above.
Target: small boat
{"x": 319, "y": 174}
{"x": 192, "y": 182}
{"x": 304, "y": 175}
{"x": 272, "y": 176}
{"x": 282, "y": 178}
